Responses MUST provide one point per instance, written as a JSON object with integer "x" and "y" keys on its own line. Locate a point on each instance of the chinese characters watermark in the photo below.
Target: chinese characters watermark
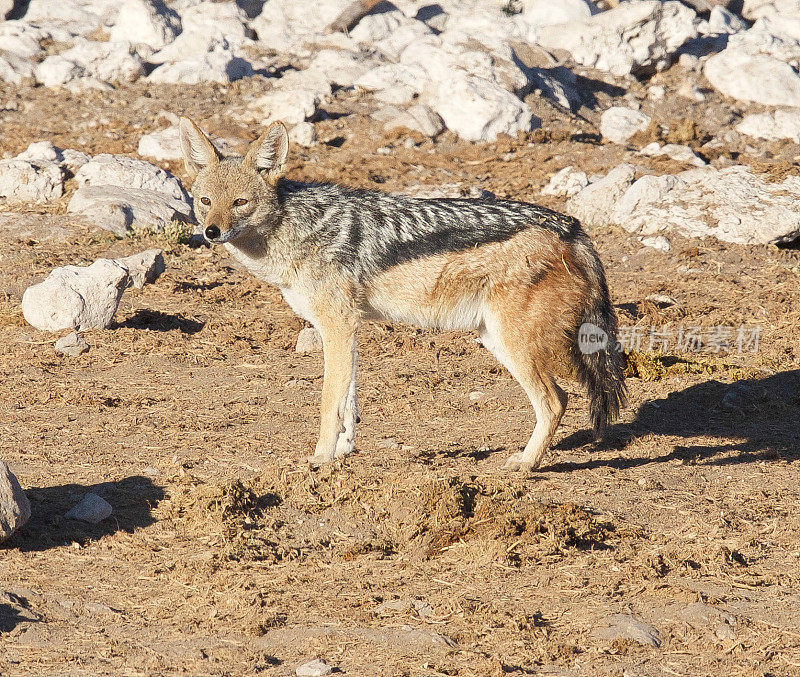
{"x": 717, "y": 339}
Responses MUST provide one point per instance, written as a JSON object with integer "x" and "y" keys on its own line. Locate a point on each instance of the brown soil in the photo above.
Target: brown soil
{"x": 227, "y": 555}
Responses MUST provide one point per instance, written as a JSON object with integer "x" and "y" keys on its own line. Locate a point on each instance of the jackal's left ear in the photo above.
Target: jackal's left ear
{"x": 268, "y": 152}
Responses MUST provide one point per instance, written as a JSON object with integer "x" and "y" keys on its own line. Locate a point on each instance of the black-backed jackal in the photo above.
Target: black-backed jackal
{"x": 525, "y": 277}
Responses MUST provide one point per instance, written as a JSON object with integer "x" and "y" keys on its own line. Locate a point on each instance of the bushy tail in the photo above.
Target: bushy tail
{"x": 598, "y": 357}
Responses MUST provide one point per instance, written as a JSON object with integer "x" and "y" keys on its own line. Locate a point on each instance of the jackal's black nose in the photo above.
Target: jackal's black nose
{"x": 212, "y": 232}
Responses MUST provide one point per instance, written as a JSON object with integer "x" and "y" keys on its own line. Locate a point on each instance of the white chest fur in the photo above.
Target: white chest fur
{"x": 264, "y": 268}
{"x": 300, "y": 304}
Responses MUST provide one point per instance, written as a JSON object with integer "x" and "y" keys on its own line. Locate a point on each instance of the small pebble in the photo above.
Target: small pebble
{"x": 72, "y": 344}
{"x": 92, "y": 509}
{"x": 315, "y": 668}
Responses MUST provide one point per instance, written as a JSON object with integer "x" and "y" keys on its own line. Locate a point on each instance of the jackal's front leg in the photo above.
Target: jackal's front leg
{"x": 339, "y": 409}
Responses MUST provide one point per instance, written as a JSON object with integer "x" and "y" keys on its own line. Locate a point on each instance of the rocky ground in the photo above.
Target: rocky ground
{"x": 669, "y": 549}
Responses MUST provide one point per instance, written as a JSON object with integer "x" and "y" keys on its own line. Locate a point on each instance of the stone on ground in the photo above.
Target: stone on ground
{"x": 15, "y": 509}
{"x": 76, "y": 297}
{"x": 92, "y": 509}
{"x": 72, "y": 345}
{"x": 618, "y": 124}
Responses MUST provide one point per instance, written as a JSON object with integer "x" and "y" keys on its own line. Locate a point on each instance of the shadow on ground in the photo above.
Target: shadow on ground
{"x": 155, "y": 320}
{"x": 132, "y": 500}
{"x": 758, "y": 419}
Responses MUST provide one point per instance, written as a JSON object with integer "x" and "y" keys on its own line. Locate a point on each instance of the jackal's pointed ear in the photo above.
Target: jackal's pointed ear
{"x": 198, "y": 151}
{"x": 268, "y": 152}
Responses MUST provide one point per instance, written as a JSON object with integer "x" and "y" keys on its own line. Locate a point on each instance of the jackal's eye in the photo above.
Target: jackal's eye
{"x": 205, "y": 200}
{"x": 239, "y": 202}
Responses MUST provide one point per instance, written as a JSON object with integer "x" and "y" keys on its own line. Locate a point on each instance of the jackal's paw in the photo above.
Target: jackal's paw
{"x": 515, "y": 463}
{"x": 344, "y": 446}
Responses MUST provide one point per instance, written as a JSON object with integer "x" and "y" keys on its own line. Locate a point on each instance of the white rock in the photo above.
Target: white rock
{"x": 104, "y": 62}
{"x": 618, "y": 124}
{"x": 400, "y": 81}
{"x": 418, "y": 118}
{"x": 315, "y": 668}
{"x": 125, "y": 172}
{"x": 377, "y": 26}
{"x": 647, "y": 190}
{"x": 22, "y": 181}
{"x": 343, "y": 67}
{"x": 594, "y": 205}
{"x": 548, "y": 12}
{"x": 309, "y": 340}
{"x": 121, "y": 210}
{"x": 218, "y": 65}
{"x": 759, "y": 78}
{"x": 757, "y": 9}
{"x": 72, "y": 345}
{"x": 288, "y": 25}
{"x": 74, "y": 297}
{"x": 146, "y": 22}
{"x": 15, "y": 509}
{"x": 21, "y": 38}
{"x": 162, "y": 145}
{"x": 631, "y": 37}
{"x": 92, "y": 509}
{"x": 733, "y": 205}
{"x": 658, "y": 242}
{"x": 392, "y": 46}
{"x": 216, "y": 19}
{"x": 289, "y": 106}
{"x": 44, "y": 152}
{"x": 303, "y": 134}
{"x": 15, "y": 69}
{"x": 79, "y": 17}
{"x": 721, "y": 21}
{"x": 143, "y": 268}
{"x": 568, "y": 181}
{"x": 675, "y": 152}
{"x": 479, "y": 110}
{"x": 782, "y": 124}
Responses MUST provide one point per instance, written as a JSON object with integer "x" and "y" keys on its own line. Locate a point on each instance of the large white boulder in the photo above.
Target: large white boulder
{"x": 632, "y": 37}
{"x": 618, "y": 124}
{"x": 122, "y": 210}
{"x": 478, "y": 110}
{"x": 127, "y": 173}
{"x": 753, "y": 77}
{"x": 76, "y": 297}
{"x": 733, "y": 204}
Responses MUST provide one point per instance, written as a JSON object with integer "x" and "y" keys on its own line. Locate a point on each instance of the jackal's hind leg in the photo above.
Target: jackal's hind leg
{"x": 548, "y": 399}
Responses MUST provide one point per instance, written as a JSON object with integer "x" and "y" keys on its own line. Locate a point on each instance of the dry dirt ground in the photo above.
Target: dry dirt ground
{"x": 227, "y": 555}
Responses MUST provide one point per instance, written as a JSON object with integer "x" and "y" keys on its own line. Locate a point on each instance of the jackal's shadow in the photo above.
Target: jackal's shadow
{"x": 132, "y": 500}
{"x": 757, "y": 419}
